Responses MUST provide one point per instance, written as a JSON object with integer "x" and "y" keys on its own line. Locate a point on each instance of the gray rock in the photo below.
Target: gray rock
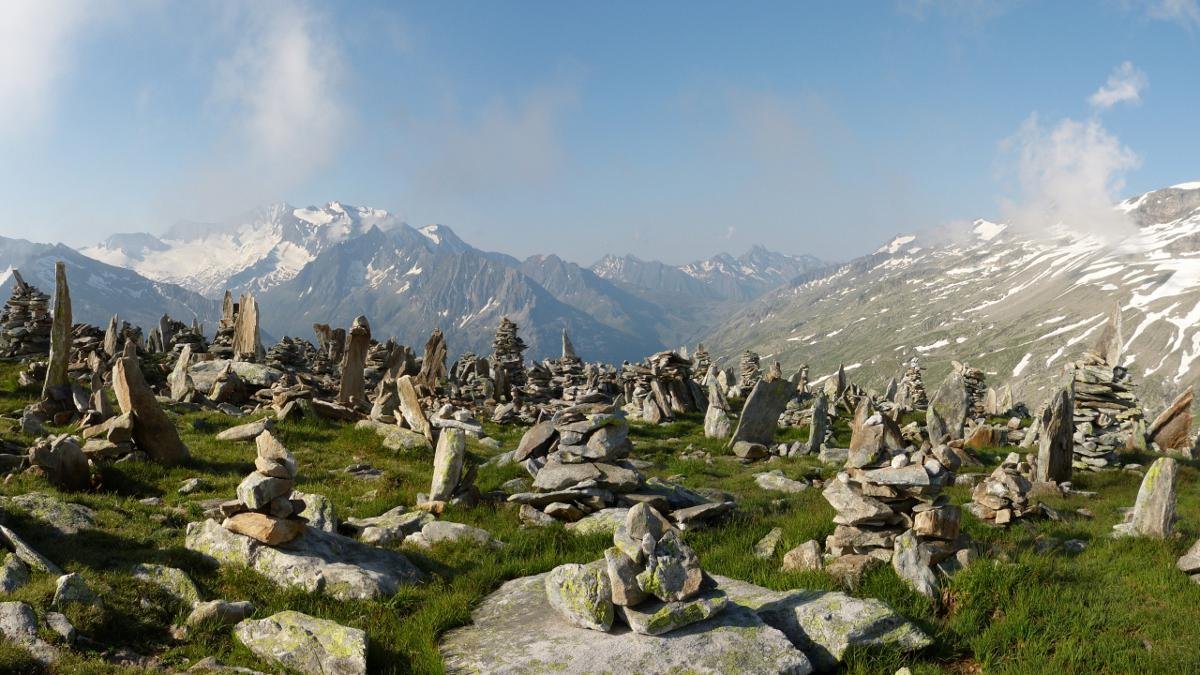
{"x": 826, "y": 623}
{"x": 716, "y": 423}
{"x": 913, "y": 563}
{"x": 672, "y": 570}
{"x": 61, "y": 625}
{"x": 13, "y": 574}
{"x": 221, "y": 612}
{"x": 391, "y": 526}
{"x": 536, "y": 442}
{"x": 256, "y": 490}
{"x": 819, "y": 427}
{"x": 805, "y": 557}
{"x": 947, "y": 412}
{"x": 316, "y": 561}
{"x": 172, "y": 580}
{"x": 26, "y": 554}
{"x": 604, "y": 521}
{"x": 318, "y": 511}
{"x": 749, "y": 450}
{"x": 582, "y": 595}
{"x": 622, "y": 578}
{"x": 765, "y": 548}
{"x": 65, "y": 517}
{"x": 305, "y": 644}
{"x": 777, "y": 482}
{"x": 71, "y": 589}
{"x": 63, "y": 462}
{"x": 1188, "y": 563}
{"x": 444, "y": 532}
{"x": 18, "y": 624}
{"x": 153, "y": 432}
{"x": 515, "y": 631}
{"x": 258, "y": 376}
{"x": 1056, "y": 443}
{"x": 191, "y": 485}
{"x": 760, "y": 414}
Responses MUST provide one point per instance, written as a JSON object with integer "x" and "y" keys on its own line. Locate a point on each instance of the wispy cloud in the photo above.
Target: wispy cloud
{"x": 1124, "y": 85}
{"x": 38, "y": 40}
{"x": 1183, "y": 12}
{"x": 505, "y": 144}
{"x": 1069, "y": 174}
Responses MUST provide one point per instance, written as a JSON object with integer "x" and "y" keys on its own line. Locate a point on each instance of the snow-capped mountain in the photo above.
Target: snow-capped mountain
{"x": 100, "y": 290}
{"x": 1019, "y": 305}
{"x": 266, "y": 248}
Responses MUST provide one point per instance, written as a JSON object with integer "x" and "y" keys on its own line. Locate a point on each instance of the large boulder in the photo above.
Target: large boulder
{"x": 515, "y": 630}
{"x": 1056, "y": 443}
{"x": 948, "y": 409}
{"x": 305, "y": 644}
{"x": 316, "y": 561}
{"x": 1172, "y": 429}
{"x": 760, "y": 414}
{"x": 1154, "y": 511}
{"x": 256, "y": 375}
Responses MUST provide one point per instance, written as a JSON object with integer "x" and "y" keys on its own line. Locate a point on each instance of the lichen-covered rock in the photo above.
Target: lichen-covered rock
{"x": 65, "y": 517}
{"x": 71, "y": 589}
{"x": 672, "y": 570}
{"x": 13, "y": 574}
{"x": 391, "y": 526}
{"x": 306, "y": 644}
{"x": 582, "y": 595}
{"x": 316, "y": 561}
{"x": 657, "y": 618}
{"x": 318, "y": 511}
{"x": 172, "y": 580}
{"x": 913, "y": 563}
{"x": 604, "y": 521}
{"x": 18, "y": 624}
{"x": 444, "y": 532}
{"x": 1154, "y": 511}
{"x": 221, "y": 612}
{"x": 516, "y": 631}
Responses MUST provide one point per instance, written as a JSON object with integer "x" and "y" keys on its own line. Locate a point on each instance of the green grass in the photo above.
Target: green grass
{"x": 1119, "y": 606}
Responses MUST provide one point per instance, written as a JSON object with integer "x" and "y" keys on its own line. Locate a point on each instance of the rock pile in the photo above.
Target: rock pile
{"x": 25, "y": 321}
{"x": 910, "y": 392}
{"x": 889, "y": 506}
{"x": 650, "y": 579}
{"x": 750, "y": 372}
{"x": 508, "y": 359}
{"x": 976, "y": 384}
{"x": 1003, "y": 497}
{"x": 661, "y": 388}
{"x": 578, "y": 461}
{"x": 264, "y": 509}
{"x": 1107, "y": 413}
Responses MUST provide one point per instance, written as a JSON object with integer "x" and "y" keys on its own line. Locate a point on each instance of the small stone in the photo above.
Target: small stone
{"x": 804, "y": 558}
{"x": 191, "y": 485}
{"x": 582, "y": 595}
{"x": 264, "y": 528}
{"x": 765, "y": 548}
{"x": 72, "y": 589}
{"x": 657, "y": 618}
{"x": 220, "y": 612}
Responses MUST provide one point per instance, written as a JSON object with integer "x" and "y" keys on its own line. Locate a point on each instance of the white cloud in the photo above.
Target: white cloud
{"x": 37, "y": 44}
{"x": 283, "y": 81}
{"x": 1125, "y": 84}
{"x": 1183, "y": 12}
{"x": 1069, "y": 175}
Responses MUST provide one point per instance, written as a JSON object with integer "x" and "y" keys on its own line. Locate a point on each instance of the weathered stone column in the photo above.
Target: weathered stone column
{"x": 57, "y": 386}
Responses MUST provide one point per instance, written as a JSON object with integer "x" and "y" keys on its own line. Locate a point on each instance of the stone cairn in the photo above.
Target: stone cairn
{"x": 889, "y": 503}
{"x": 1003, "y": 497}
{"x": 661, "y": 388}
{"x": 291, "y": 355}
{"x": 750, "y": 372}
{"x": 264, "y": 509}
{"x": 578, "y": 461}
{"x": 976, "y": 385}
{"x": 508, "y": 359}
{"x": 910, "y": 392}
{"x": 1108, "y": 415}
{"x": 700, "y": 363}
{"x": 650, "y": 579}
{"x": 25, "y": 321}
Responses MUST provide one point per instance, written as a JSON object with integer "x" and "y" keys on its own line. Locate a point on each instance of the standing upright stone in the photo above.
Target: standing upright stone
{"x": 247, "y": 346}
{"x": 153, "y": 432}
{"x": 568, "y": 349}
{"x": 1154, "y": 511}
{"x": 110, "y": 337}
{"x": 1056, "y": 439}
{"x": 226, "y": 311}
{"x": 447, "y": 464}
{"x": 182, "y": 387}
{"x": 433, "y": 362}
{"x": 353, "y": 363}
{"x": 760, "y": 415}
{"x": 947, "y": 413}
{"x": 819, "y": 427}
{"x": 716, "y": 418}
{"x": 410, "y": 407}
{"x": 57, "y": 386}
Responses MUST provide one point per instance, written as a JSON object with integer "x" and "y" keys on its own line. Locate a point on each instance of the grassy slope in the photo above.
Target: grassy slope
{"x": 1119, "y": 606}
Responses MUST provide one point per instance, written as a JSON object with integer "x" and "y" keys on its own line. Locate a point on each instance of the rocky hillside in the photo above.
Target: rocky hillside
{"x": 99, "y": 290}
{"x": 1018, "y": 305}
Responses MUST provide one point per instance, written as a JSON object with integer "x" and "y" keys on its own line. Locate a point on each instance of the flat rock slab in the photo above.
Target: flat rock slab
{"x": 65, "y": 517}
{"x": 205, "y": 373}
{"x": 516, "y": 631}
{"x": 316, "y": 561}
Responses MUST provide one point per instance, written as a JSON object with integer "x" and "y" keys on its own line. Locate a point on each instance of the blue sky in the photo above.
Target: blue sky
{"x": 674, "y": 130}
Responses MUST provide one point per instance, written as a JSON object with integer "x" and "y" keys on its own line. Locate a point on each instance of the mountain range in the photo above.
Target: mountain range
{"x": 331, "y": 263}
{"x": 1019, "y": 305}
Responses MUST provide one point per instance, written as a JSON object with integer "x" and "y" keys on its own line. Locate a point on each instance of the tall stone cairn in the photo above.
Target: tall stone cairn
{"x": 353, "y": 385}
{"x": 701, "y": 362}
{"x": 910, "y": 393}
{"x": 508, "y": 357}
{"x": 433, "y": 363}
{"x": 1108, "y": 415}
{"x": 25, "y": 321}
{"x": 751, "y": 373}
